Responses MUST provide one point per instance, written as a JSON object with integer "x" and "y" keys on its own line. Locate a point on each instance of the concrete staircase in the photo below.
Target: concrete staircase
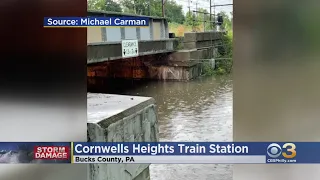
{"x": 198, "y": 48}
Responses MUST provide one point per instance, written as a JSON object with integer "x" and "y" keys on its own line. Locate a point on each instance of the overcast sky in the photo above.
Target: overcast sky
{"x": 205, "y": 4}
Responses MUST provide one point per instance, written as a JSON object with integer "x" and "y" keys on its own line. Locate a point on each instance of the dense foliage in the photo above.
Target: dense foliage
{"x": 224, "y": 61}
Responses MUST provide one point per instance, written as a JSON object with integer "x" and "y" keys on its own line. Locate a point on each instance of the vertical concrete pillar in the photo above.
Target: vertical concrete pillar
{"x": 122, "y": 119}
{"x": 151, "y": 29}
{"x": 104, "y": 34}
{"x": 138, "y": 33}
{"x": 123, "y": 33}
{"x": 166, "y": 28}
{"x": 162, "y": 31}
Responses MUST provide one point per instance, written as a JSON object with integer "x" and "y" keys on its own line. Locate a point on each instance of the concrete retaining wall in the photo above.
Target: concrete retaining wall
{"x": 202, "y": 36}
{"x": 178, "y": 73}
{"x": 116, "y": 118}
{"x": 199, "y": 40}
{"x": 199, "y": 48}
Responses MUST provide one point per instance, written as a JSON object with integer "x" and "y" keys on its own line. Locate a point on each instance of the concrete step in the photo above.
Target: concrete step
{"x": 190, "y": 55}
{"x": 202, "y": 36}
{"x": 200, "y": 44}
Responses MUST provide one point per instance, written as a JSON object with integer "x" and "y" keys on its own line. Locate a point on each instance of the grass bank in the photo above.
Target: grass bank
{"x": 180, "y": 29}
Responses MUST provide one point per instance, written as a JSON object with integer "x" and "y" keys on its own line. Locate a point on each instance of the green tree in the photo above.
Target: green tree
{"x": 140, "y": 7}
{"x": 204, "y": 19}
{"x": 192, "y": 19}
{"x": 174, "y": 12}
{"x": 155, "y": 8}
{"x": 104, "y": 5}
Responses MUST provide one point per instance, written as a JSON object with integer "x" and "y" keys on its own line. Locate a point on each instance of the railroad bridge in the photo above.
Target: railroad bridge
{"x": 117, "y": 118}
{"x": 160, "y": 56}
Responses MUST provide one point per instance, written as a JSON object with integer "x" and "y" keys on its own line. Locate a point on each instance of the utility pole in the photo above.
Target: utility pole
{"x": 210, "y": 14}
{"x": 189, "y": 7}
{"x": 149, "y": 7}
{"x": 196, "y": 6}
{"x": 196, "y": 15}
{"x": 204, "y": 22}
{"x": 214, "y": 16}
{"x": 163, "y": 9}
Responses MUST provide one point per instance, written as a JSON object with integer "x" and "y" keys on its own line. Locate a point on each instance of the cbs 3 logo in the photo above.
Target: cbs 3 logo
{"x": 274, "y": 150}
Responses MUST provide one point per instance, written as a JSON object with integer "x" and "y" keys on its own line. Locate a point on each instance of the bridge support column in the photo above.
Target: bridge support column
{"x": 199, "y": 50}
{"x": 116, "y": 118}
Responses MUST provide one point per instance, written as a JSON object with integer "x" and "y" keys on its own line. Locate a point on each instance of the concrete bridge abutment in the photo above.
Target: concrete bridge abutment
{"x": 117, "y": 118}
{"x": 162, "y": 62}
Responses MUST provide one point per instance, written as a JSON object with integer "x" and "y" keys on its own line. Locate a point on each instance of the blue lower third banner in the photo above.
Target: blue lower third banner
{"x": 197, "y": 152}
{"x": 161, "y": 153}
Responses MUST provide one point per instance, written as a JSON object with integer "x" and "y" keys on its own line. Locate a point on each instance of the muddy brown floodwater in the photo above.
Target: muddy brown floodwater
{"x": 199, "y": 110}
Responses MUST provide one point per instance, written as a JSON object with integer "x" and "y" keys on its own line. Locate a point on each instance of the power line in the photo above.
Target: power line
{"x": 221, "y": 5}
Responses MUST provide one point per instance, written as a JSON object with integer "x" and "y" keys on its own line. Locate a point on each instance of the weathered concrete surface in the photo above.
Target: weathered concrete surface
{"x": 198, "y": 40}
{"x": 105, "y": 51}
{"x": 202, "y": 36}
{"x": 117, "y": 118}
{"x": 199, "y": 49}
{"x": 185, "y": 55}
{"x": 179, "y": 73}
{"x": 190, "y": 57}
{"x": 201, "y": 44}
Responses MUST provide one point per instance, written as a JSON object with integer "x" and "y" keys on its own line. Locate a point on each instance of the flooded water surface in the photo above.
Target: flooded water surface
{"x": 199, "y": 110}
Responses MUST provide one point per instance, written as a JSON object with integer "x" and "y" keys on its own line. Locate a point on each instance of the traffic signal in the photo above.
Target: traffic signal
{"x": 219, "y": 20}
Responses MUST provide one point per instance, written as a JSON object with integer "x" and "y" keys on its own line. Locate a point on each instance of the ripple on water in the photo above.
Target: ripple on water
{"x": 199, "y": 110}
{"x": 205, "y": 116}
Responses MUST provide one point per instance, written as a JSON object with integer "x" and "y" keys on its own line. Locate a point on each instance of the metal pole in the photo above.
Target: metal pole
{"x": 149, "y": 7}
{"x": 210, "y": 14}
{"x": 163, "y": 14}
{"x": 204, "y": 22}
{"x": 196, "y": 6}
{"x": 196, "y": 15}
{"x": 214, "y": 16}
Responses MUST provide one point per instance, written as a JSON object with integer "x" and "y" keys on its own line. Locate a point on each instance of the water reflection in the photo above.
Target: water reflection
{"x": 199, "y": 110}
